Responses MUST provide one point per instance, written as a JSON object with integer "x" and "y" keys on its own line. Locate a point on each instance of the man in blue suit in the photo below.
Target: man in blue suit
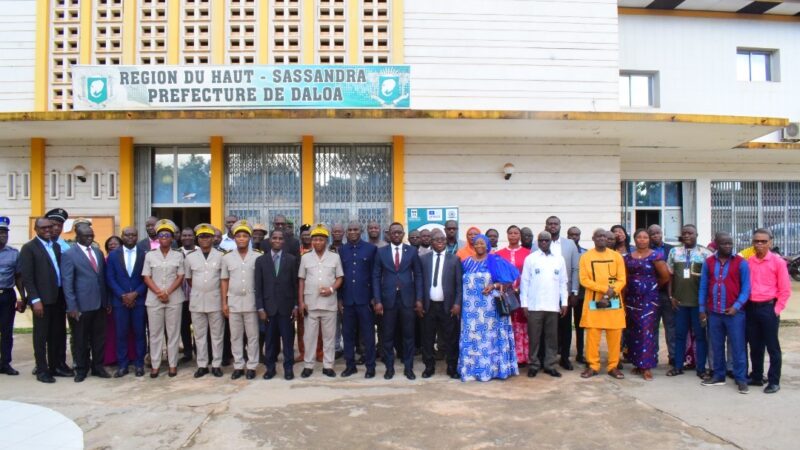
{"x": 128, "y": 292}
{"x": 83, "y": 278}
{"x": 397, "y": 292}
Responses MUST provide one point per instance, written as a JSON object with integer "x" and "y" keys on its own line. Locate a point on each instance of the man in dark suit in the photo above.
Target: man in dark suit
{"x": 276, "y": 301}
{"x": 150, "y": 241}
{"x": 358, "y": 259}
{"x": 441, "y": 308}
{"x": 290, "y": 243}
{"x": 128, "y": 292}
{"x": 40, "y": 262}
{"x": 83, "y": 277}
{"x": 397, "y": 288}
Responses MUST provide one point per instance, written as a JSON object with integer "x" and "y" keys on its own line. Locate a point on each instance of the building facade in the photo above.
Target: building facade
{"x": 629, "y": 111}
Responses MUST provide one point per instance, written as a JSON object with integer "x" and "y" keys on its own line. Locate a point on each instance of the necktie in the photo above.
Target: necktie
{"x": 91, "y": 258}
{"x": 397, "y": 258}
{"x": 436, "y": 270}
{"x": 276, "y": 261}
{"x": 128, "y": 260}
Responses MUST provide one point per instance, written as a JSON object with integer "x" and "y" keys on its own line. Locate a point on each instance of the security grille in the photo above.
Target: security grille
{"x": 285, "y": 38}
{"x": 375, "y": 23}
{"x": 353, "y": 182}
{"x": 241, "y": 37}
{"x": 108, "y": 32}
{"x": 65, "y": 25}
{"x": 152, "y": 31}
{"x": 739, "y": 207}
{"x": 262, "y": 181}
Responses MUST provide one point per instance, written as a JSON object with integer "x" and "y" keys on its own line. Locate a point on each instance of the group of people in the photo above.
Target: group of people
{"x": 242, "y": 295}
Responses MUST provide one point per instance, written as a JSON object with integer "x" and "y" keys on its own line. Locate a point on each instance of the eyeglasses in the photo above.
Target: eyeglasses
{"x": 164, "y": 235}
{"x": 760, "y": 241}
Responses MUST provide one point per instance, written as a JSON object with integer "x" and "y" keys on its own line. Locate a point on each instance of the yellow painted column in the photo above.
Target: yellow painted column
{"x": 40, "y": 75}
{"x": 307, "y": 22}
{"x": 263, "y": 32}
{"x": 398, "y": 178}
{"x": 86, "y": 39}
{"x": 173, "y": 31}
{"x": 218, "y": 32}
{"x": 217, "y": 182}
{"x": 126, "y": 183}
{"x": 397, "y": 17}
{"x": 353, "y": 36}
{"x": 37, "y": 176}
{"x": 129, "y": 32}
{"x": 307, "y": 179}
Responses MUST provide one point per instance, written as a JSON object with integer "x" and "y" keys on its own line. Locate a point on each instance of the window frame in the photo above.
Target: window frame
{"x": 771, "y": 69}
{"x": 654, "y": 100}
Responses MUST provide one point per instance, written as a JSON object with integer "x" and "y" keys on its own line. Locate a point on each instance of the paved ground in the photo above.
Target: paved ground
{"x": 167, "y": 413}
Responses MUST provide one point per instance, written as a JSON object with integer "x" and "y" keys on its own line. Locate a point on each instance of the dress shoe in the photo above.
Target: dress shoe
{"x": 349, "y": 371}
{"x": 269, "y": 374}
{"x": 8, "y": 370}
{"x": 409, "y": 374}
{"x": 361, "y": 361}
{"x": 755, "y": 382}
{"x": 389, "y": 373}
{"x": 200, "y": 372}
{"x": 139, "y": 371}
{"x": 154, "y": 373}
{"x": 565, "y": 364}
{"x": 588, "y": 373}
{"x": 772, "y": 388}
{"x": 216, "y": 371}
{"x": 100, "y": 373}
{"x": 172, "y": 372}
{"x": 288, "y": 376}
{"x": 532, "y": 372}
{"x": 60, "y": 372}
{"x": 67, "y": 369}
{"x": 79, "y": 377}
{"x": 45, "y": 377}
{"x": 238, "y": 373}
{"x": 250, "y": 374}
{"x": 553, "y": 373}
{"x": 370, "y": 373}
{"x": 428, "y": 372}
{"x": 120, "y": 373}
{"x": 580, "y": 359}
{"x": 329, "y": 373}
{"x": 306, "y": 373}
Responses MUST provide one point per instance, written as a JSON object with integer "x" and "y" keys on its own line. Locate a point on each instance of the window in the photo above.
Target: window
{"x": 53, "y": 186}
{"x": 111, "y": 186}
{"x": 756, "y": 65}
{"x": 26, "y": 185}
{"x": 181, "y": 177}
{"x": 69, "y": 185}
{"x": 11, "y": 186}
{"x": 96, "y": 185}
{"x": 637, "y": 90}
{"x": 666, "y": 203}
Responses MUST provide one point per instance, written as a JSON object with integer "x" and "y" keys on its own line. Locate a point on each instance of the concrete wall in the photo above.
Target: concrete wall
{"x": 577, "y": 181}
{"x": 517, "y": 55}
{"x": 15, "y": 157}
{"x": 696, "y": 63}
{"x": 17, "y": 51}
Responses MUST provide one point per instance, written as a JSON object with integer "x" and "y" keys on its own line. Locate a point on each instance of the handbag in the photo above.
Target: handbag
{"x": 511, "y": 299}
{"x": 501, "y": 306}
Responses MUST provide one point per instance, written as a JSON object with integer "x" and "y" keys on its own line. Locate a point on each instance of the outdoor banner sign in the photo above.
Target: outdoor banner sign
{"x": 108, "y": 88}
{"x": 428, "y": 218}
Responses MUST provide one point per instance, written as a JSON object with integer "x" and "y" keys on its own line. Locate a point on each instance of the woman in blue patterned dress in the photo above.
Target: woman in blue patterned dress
{"x": 646, "y": 271}
{"x": 486, "y": 347}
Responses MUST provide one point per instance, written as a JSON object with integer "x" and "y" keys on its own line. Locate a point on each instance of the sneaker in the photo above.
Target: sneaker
{"x": 743, "y": 389}
{"x": 713, "y": 382}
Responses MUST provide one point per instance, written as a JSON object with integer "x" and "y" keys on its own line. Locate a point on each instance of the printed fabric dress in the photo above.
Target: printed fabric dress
{"x": 641, "y": 307}
{"x": 486, "y": 347}
{"x": 519, "y": 320}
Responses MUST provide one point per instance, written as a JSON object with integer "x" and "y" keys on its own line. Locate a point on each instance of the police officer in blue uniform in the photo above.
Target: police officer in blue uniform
{"x": 9, "y": 277}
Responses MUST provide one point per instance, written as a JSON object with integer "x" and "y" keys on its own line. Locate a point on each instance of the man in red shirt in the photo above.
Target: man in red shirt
{"x": 770, "y": 290}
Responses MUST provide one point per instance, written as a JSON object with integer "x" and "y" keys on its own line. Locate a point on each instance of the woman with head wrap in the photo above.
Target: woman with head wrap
{"x": 469, "y": 250}
{"x": 515, "y": 254}
{"x": 486, "y": 347}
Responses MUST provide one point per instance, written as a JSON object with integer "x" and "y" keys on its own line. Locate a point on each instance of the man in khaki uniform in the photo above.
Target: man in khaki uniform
{"x": 320, "y": 276}
{"x": 239, "y": 299}
{"x": 202, "y": 268}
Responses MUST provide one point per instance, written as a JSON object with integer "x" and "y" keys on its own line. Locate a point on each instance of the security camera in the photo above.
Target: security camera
{"x": 508, "y": 169}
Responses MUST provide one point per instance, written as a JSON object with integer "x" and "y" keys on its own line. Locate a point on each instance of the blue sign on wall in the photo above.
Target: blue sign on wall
{"x": 430, "y": 217}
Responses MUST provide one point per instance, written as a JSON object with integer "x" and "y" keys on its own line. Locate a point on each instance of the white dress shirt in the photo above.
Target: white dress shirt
{"x": 130, "y": 259}
{"x": 544, "y": 281}
{"x": 437, "y": 293}
{"x": 397, "y": 250}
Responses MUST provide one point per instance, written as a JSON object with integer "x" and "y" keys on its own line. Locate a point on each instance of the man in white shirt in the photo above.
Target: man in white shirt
{"x": 543, "y": 295}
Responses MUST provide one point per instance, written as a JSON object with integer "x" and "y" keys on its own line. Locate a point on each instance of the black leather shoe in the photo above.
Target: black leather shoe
{"x": 238, "y": 373}
{"x": 60, "y": 372}
{"x": 288, "y": 376}
{"x": 250, "y": 374}
{"x": 200, "y": 372}
{"x": 565, "y": 364}
{"x": 172, "y": 373}
{"x": 216, "y": 371}
{"x": 553, "y": 373}
{"x": 389, "y": 373}
{"x": 370, "y": 373}
{"x": 772, "y": 388}
{"x": 329, "y": 373}
{"x": 139, "y": 371}
{"x": 428, "y": 372}
{"x": 269, "y": 374}
{"x": 306, "y": 373}
{"x": 100, "y": 373}
{"x": 349, "y": 371}
{"x": 79, "y": 377}
{"x": 409, "y": 374}
{"x": 8, "y": 370}
{"x": 120, "y": 373}
{"x": 154, "y": 373}
{"x": 69, "y": 370}
{"x": 754, "y": 382}
{"x": 45, "y": 377}
{"x": 532, "y": 372}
